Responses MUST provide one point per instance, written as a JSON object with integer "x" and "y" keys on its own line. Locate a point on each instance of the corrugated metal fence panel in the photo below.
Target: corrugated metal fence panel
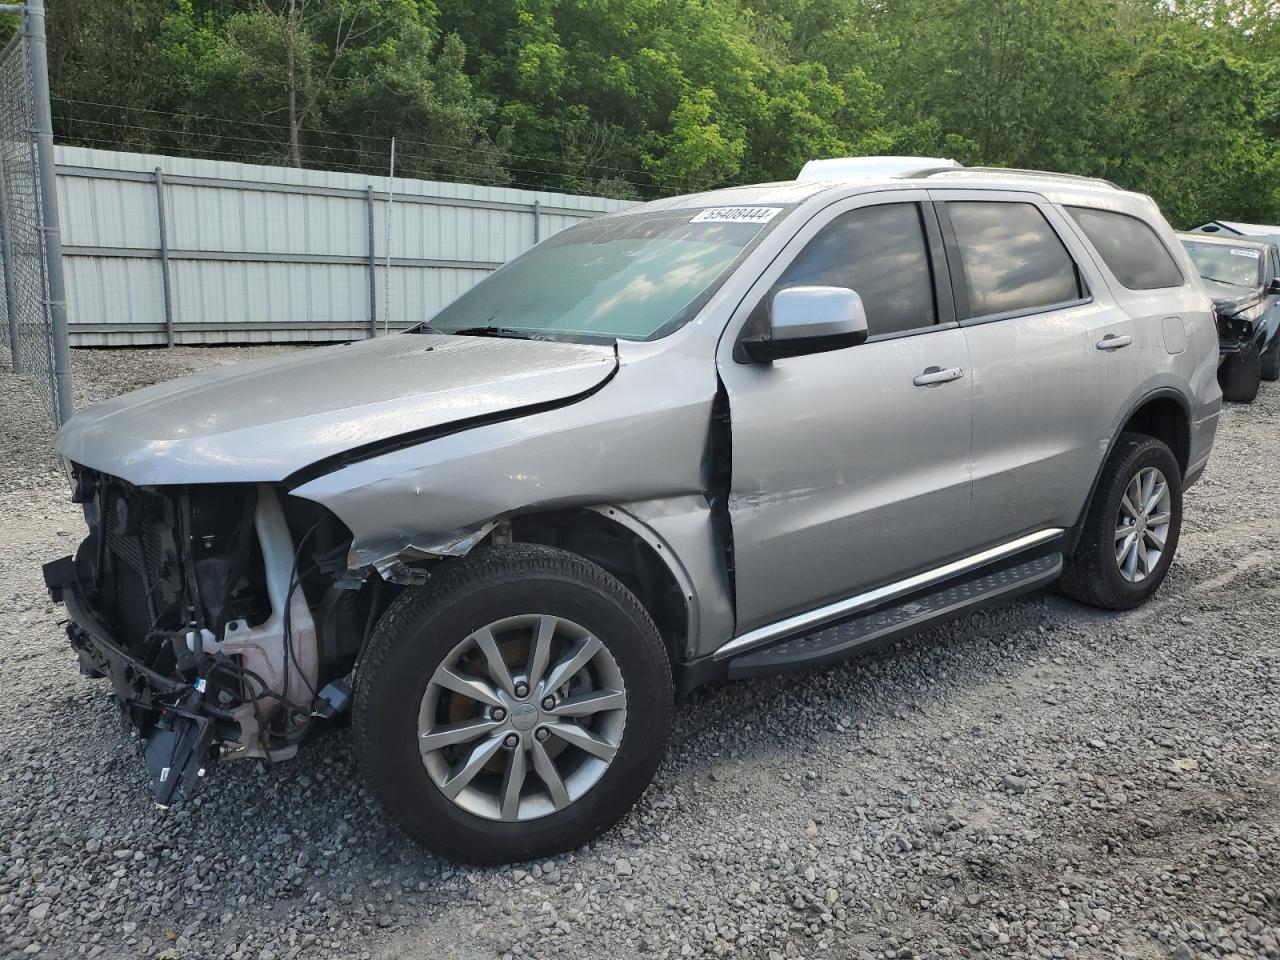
{"x": 259, "y": 253}
{"x": 417, "y": 294}
{"x": 114, "y": 290}
{"x": 431, "y": 232}
{"x": 297, "y": 294}
{"x": 108, "y": 213}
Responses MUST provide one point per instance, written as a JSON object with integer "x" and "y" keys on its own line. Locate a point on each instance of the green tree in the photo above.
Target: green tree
{"x": 636, "y": 98}
{"x": 1192, "y": 111}
{"x": 366, "y": 69}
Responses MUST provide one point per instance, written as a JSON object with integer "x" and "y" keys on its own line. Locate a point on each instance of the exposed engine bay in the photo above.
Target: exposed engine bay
{"x": 1237, "y": 319}
{"x": 224, "y": 616}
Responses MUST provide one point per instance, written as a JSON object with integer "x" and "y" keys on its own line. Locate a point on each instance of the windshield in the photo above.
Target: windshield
{"x": 633, "y": 277}
{"x": 1238, "y": 265}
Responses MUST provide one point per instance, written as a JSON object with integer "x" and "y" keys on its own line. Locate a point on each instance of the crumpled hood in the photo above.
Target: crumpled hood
{"x": 1228, "y": 299}
{"x": 263, "y": 420}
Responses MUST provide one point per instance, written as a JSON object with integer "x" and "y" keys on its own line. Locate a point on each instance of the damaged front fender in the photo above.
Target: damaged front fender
{"x": 394, "y": 559}
{"x": 642, "y": 439}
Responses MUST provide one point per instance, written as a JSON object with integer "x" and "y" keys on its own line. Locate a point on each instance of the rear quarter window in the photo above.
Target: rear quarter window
{"x": 1130, "y": 249}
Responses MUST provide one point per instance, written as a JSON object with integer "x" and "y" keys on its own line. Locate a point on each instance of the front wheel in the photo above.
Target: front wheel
{"x": 1241, "y": 375}
{"x": 1131, "y": 531}
{"x": 514, "y": 707}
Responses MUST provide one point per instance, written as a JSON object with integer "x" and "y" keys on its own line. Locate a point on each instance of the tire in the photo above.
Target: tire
{"x": 512, "y": 590}
{"x": 1094, "y": 574}
{"x": 1241, "y": 375}
{"x": 1271, "y": 361}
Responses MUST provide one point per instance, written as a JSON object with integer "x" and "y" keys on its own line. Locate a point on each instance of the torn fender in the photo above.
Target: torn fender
{"x": 681, "y": 531}
{"x": 641, "y": 438}
{"x": 394, "y": 560}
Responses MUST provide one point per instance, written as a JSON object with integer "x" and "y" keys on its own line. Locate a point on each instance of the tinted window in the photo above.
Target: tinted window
{"x": 880, "y": 252}
{"x": 1012, "y": 258}
{"x": 1129, "y": 247}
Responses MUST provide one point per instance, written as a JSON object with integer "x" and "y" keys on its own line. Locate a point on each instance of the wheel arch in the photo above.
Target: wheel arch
{"x": 1162, "y": 413}
{"x": 1165, "y": 415}
{"x": 611, "y": 538}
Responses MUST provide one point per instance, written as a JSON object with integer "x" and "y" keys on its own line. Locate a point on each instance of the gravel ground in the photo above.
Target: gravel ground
{"x": 1036, "y": 780}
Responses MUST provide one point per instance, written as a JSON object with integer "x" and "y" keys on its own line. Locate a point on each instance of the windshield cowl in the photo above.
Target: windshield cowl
{"x": 509, "y": 332}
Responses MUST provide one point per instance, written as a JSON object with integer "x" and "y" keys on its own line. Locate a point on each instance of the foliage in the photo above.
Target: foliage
{"x": 641, "y": 98}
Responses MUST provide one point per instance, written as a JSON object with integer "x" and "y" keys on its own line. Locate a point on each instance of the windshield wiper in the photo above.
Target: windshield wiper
{"x": 1230, "y": 283}
{"x": 513, "y": 333}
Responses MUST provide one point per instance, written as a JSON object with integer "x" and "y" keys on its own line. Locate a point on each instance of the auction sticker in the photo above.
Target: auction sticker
{"x": 1251, "y": 254}
{"x": 737, "y": 215}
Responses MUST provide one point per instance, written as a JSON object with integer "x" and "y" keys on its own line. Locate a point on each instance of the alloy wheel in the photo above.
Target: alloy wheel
{"x": 522, "y": 718}
{"x": 1142, "y": 527}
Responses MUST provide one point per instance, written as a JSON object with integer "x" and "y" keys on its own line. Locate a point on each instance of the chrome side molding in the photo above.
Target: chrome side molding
{"x": 850, "y": 605}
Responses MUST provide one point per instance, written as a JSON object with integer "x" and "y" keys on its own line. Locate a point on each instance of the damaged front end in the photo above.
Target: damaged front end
{"x": 1237, "y": 319}
{"x": 224, "y": 617}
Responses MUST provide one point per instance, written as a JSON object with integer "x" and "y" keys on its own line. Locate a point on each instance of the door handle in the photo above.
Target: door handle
{"x": 1113, "y": 342}
{"x": 935, "y": 375}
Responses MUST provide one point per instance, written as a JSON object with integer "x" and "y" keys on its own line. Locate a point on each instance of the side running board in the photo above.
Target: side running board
{"x": 888, "y": 623}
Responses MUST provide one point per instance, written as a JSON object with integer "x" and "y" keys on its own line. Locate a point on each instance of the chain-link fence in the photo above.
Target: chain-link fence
{"x": 24, "y": 290}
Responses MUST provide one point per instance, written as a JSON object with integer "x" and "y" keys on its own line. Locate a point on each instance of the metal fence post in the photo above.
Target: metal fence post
{"x": 49, "y": 209}
{"x": 373, "y": 269}
{"x": 164, "y": 256}
{"x": 6, "y": 267}
{"x": 537, "y": 226}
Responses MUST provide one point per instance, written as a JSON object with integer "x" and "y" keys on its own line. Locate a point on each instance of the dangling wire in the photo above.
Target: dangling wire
{"x": 294, "y": 582}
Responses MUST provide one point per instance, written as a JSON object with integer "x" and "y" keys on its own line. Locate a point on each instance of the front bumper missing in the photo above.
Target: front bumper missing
{"x": 1235, "y": 334}
{"x": 177, "y": 734}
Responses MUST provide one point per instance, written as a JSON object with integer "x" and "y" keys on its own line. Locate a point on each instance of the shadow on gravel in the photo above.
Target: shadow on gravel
{"x": 873, "y": 685}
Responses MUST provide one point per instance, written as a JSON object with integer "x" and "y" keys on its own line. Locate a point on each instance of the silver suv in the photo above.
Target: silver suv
{"x": 722, "y": 435}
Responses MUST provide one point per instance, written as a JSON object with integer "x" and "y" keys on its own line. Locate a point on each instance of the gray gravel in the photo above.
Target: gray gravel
{"x": 1037, "y": 780}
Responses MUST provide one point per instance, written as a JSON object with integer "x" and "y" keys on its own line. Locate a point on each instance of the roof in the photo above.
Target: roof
{"x": 863, "y": 168}
{"x": 758, "y": 194}
{"x": 1225, "y": 239}
{"x": 986, "y": 174}
{"x": 1065, "y": 187}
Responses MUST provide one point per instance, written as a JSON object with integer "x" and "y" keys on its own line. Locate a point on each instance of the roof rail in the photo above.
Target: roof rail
{"x": 1010, "y": 172}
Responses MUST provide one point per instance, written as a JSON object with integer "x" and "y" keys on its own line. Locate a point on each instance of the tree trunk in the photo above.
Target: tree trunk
{"x": 290, "y": 44}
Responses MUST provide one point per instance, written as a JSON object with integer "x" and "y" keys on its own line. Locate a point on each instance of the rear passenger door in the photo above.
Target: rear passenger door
{"x": 1053, "y": 358}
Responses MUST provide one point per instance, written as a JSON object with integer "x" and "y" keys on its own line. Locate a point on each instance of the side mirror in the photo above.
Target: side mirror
{"x": 1273, "y": 287}
{"x": 805, "y": 320}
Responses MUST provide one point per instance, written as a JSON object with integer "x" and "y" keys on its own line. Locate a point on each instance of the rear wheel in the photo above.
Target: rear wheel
{"x": 1240, "y": 376}
{"x": 1271, "y": 360}
{"x": 1131, "y": 531}
{"x": 514, "y": 707}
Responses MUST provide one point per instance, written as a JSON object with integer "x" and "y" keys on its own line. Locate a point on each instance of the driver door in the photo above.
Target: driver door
{"x": 851, "y": 468}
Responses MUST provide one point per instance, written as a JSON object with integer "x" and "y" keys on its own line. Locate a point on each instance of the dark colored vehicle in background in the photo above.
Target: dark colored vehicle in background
{"x": 1242, "y": 276}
